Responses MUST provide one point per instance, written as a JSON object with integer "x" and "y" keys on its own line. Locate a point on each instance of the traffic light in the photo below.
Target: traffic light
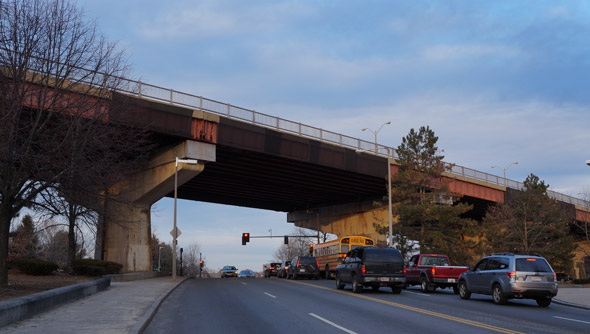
{"x": 310, "y": 249}
{"x": 286, "y": 240}
{"x": 245, "y": 238}
{"x": 201, "y": 264}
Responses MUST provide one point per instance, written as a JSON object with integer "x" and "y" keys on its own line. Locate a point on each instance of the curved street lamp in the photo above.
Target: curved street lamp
{"x": 375, "y": 133}
{"x": 505, "y": 169}
{"x": 175, "y": 230}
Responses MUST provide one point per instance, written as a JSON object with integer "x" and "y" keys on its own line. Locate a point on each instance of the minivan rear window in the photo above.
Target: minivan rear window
{"x": 382, "y": 255}
{"x": 532, "y": 265}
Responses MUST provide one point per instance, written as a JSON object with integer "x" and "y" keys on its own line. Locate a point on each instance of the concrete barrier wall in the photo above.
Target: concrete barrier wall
{"x": 16, "y": 309}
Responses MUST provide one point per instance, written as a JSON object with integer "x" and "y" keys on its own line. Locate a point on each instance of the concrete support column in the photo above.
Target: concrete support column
{"x": 126, "y": 222}
{"x": 356, "y": 218}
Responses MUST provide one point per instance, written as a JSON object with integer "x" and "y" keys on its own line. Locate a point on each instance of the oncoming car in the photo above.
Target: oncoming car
{"x": 246, "y": 274}
{"x": 229, "y": 271}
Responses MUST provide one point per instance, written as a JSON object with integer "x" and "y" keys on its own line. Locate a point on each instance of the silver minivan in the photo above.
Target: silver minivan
{"x": 506, "y": 275}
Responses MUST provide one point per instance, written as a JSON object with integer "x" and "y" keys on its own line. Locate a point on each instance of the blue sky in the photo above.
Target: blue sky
{"x": 498, "y": 82}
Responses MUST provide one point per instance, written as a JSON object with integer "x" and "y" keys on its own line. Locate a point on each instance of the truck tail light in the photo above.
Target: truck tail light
{"x": 363, "y": 269}
{"x": 433, "y": 271}
{"x": 405, "y": 271}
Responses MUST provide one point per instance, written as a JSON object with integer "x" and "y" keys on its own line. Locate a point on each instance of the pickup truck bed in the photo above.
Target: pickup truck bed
{"x": 432, "y": 271}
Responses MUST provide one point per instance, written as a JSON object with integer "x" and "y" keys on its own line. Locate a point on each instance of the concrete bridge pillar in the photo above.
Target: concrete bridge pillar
{"x": 356, "y": 218}
{"x": 125, "y": 224}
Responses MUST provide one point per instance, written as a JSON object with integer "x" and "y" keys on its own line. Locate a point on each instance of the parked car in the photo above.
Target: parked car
{"x": 229, "y": 271}
{"x": 374, "y": 267}
{"x": 507, "y": 275}
{"x": 282, "y": 273}
{"x": 246, "y": 274}
{"x": 303, "y": 266}
{"x": 432, "y": 271}
{"x": 272, "y": 269}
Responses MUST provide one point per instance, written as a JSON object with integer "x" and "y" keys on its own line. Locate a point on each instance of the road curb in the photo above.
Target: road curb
{"x": 17, "y": 309}
{"x": 561, "y": 302}
{"x": 147, "y": 317}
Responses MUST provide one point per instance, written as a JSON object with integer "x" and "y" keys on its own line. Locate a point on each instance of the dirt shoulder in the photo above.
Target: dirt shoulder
{"x": 22, "y": 285}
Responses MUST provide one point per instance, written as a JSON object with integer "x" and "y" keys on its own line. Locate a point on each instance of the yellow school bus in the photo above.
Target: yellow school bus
{"x": 329, "y": 254}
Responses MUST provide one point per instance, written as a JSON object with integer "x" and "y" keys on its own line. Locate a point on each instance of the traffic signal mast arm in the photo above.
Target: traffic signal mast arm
{"x": 246, "y": 237}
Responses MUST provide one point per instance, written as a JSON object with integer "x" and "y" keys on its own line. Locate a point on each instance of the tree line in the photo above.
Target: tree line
{"x": 432, "y": 219}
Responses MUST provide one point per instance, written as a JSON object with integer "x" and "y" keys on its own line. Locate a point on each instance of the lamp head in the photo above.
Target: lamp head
{"x": 588, "y": 162}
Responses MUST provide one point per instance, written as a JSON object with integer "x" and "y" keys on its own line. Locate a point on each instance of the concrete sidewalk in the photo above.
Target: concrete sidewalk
{"x": 123, "y": 308}
{"x": 575, "y": 297}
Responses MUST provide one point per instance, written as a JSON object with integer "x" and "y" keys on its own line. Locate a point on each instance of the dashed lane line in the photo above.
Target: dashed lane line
{"x": 332, "y": 324}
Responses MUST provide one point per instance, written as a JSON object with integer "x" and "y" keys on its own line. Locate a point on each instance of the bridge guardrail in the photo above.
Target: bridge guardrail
{"x": 170, "y": 96}
{"x": 144, "y": 90}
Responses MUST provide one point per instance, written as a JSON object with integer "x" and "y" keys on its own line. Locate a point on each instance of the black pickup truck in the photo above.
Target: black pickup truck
{"x": 374, "y": 267}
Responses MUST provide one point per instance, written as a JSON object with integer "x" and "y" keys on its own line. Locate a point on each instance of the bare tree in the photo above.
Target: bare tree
{"x": 56, "y": 77}
{"x": 191, "y": 258}
{"x": 297, "y": 246}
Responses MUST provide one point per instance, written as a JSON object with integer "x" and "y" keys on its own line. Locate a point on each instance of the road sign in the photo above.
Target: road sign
{"x": 178, "y": 233}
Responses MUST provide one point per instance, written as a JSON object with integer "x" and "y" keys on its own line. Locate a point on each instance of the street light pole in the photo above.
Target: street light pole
{"x": 505, "y": 169}
{"x": 389, "y": 198}
{"x": 375, "y": 134}
{"x": 174, "y": 230}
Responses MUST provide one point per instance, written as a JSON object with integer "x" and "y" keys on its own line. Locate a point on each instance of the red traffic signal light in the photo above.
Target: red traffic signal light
{"x": 311, "y": 249}
{"x": 201, "y": 264}
{"x": 245, "y": 238}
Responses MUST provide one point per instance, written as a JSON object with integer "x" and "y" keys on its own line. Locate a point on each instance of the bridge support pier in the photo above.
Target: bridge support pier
{"x": 356, "y": 218}
{"x": 124, "y": 232}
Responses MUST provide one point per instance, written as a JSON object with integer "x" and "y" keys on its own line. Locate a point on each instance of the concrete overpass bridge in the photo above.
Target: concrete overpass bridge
{"x": 255, "y": 160}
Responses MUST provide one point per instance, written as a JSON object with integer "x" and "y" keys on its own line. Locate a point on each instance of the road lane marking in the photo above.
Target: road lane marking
{"x": 268, "y": 294}
{"x": 418, "y": 293}
{"x": 244, "y": 283}
{"x": 332, "y": 324}
{"x": 586, "y": 322}
{"x": 419, "y": 310}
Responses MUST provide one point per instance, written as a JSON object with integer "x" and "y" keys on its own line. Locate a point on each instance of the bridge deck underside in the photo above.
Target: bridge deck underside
{"x": 257, "y": 180}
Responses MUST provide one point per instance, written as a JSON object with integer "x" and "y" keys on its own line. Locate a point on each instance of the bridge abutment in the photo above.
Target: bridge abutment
{"x": 126, "y": 223}
{"x": 356, "y": 218}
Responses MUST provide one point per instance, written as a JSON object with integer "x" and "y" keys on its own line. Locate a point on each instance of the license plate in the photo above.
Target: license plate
{"x": 536, "y": 279}
{"x": 451, "y": 280}
{"x": 302, "y": 270}
{"x": 384, "y": 279}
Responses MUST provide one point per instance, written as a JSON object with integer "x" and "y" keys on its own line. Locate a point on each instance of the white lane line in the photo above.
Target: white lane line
{"x": 268, "y": 294}
{"x": 244, "y": 283}
{"x": 417, "y": 293}
{"x": 332, "y": 324}
{"x": 586, "y": 322}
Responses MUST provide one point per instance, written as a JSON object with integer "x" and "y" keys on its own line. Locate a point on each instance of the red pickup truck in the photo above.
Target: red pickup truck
{"x": 433, "y": 271}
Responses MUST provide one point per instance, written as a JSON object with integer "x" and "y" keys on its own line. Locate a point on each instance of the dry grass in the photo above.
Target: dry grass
{"x": 22, "y": 285}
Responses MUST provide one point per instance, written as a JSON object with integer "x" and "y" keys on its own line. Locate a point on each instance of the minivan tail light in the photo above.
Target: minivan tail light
{"x": 363, "y": 269}
{"x": 298, "y": 261}
{"x": 554, "y": 277}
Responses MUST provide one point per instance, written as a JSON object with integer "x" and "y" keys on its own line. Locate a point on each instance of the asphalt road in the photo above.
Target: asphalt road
{"x": 259, "y": 305}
